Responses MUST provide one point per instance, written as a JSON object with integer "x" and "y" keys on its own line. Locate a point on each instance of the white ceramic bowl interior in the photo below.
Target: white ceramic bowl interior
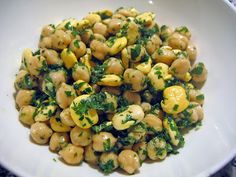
{"x": 213, "y": 27}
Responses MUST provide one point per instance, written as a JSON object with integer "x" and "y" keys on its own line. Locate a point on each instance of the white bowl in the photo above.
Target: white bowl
{"x": 213, "y": 26}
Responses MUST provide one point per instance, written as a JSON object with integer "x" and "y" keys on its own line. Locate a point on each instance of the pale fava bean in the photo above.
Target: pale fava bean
{"x": 60, "y": 40}
{"x": 58, "y": 141}
{"x": 63, "y": 99}
{"x": 141, "y": 150}
{"x": 106, "y": 157}
{"x": 40, "y": 133}
{"x": 156, "y": 149}
{"x": 152, "y": 44}
{"x": 87, "y": 36}
{"x": 66, "y": 118}
{"x": 72, "y": 154}
{"x": 78, "y": 47}
{"x": 52, "y": 57}
{"x": 103, "y": 141}
{"x": 45, "y": 42}
{"x": 24, "y": 97}
{"x": 93, "y": 18}
{"x": 99, "y": 49}
{"x": 136, "y": 78}
{"x": 26, "y": 115}
{"x": 35, "y": 65}
{"x": 112, "y": 90}
{"x": 134, "y": 113}
{"x": 100, "y": 28}
{"x": 146, "y": 106}
{"x": 80, "y": 72}
{"x": 196, "y": 96}
{"x": 114, "y": 26}
{"x": 90, "y": 156}
{"x": 178, "y": 41}
{"x": 99, "y": 37}
{"x": 154, "y": 122}
{"x": 192, "y": 52}
{"x": 114, "y": 66}
{"x": 47, "y": 30}
{"x": 132, "y": 97}
{"x": 80, "y": 137}
{"x": 129, "y": 161}
{"x": 58, "y": 77}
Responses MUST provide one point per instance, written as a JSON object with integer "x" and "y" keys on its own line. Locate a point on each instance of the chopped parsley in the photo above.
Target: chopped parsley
{"x": 198, "y": 69}
{"x": 200, "y": 97}
{"x": 107, "y": 167}
{"x": 107, "y": 145}
{"x": 135, "y": 52}
{"x": 175, "y": 108}
{"x": 76, "y": 43}
{"x": 68, "y": 93}
{"x": 128, "y": 118}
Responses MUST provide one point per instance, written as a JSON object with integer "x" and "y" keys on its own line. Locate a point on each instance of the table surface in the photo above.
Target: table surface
{"x": 229, "y": 170}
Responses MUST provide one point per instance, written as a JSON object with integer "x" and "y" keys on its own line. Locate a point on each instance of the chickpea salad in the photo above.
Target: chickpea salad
{"x": 112, "y": 89}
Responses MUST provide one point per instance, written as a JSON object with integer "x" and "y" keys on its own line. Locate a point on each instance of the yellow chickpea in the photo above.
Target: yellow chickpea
{"x": 58, "y": 141}
{"x": 58, "y": 77}
{"x": 99, "y": 49}
{"x": 156, "y": 149}
{"x": 146, "y": 106}
{"x": 26, "y": 115}
{"x": 114, "y": 26}
{"x": 154, "y": 122}
{"x": 45, "y": 42}
{"x": 114, "y": 66}
{"x": 52, "y": 57}
{"x": 152, "y": 44}
{"x": 192, "y": 53}
{"x": 66, "y": 118}
{"x": 40, "y": 133}
{"x": 80, "y": 72}
{"x": 103, "y": 141}
{"x": 100, "y": 28}
{"x": 60, "y": 40}
{"x": 47, "y": 30}
{"x": 87, "y": 36}
{"x": 93, "y": 18}
{"x": 90, "y": 156}
{"x": 24, "y": 97}
{"x": 178, "y": 41}
{"x": 164, "y": 55}
{"x": 108, "y": 158}
{"x": 199, "y": 73}
{"x": 78, "y": 47}
{"x": 141, "y": 150}
{"x": 132, "y": 97}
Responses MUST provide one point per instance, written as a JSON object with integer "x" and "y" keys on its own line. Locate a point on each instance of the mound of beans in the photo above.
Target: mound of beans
{"x": 112, "y": 89}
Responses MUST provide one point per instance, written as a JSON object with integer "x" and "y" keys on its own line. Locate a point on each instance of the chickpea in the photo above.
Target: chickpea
{"x": 73, "y": 36}
{"x": 36, "y": 64}
{"x": 166, "y": 32}
{"x": 103, "y": 141}
{"x": 136, "y": 78}
{"x": 197, "y": 112}
{"x": 99, "y": 37}
{"x": 118, "y": 16}
{"x": 180, "y": 67}
{"x": 47, "y": 30}
{"x": 196, "y": 96}
{"x": 45, "y": 42}
{"x": 141, "y": 150}
{"x": 132, "y": 98}
{"x": 108, "y": 158}
{"x": 80, "y": 72}
{"x": 136, "y": 52}
{"x": 24, "y": 80}
{"x": 65, "y": 95}
{"x": 60, "y": 40}
{"x": 58, "y": 141}
{"x": 164, "y": 55}
{"x": 114, "y": 26}
{"x": 72, "y": 154}
{"x": 137, "y": 132}
{"x": 175, "y": 100}
{"x": 87, "y": 36}
{"x": 112, "y": 90}
{"x": 58, "y": 77}
{"x": 78, "y": 47}
{"x": 129, "y": 161}
{"x": 156, "y": 149}
{"x": 178, "y": 41}
{"x": 128, "y": 12}
{"x": 66, "y": 118}
{"x": 114, "y": 66}
{"x": 184, "y": 31}
{"x": 96, "y": 88}
{"x": 199, "y": 73}
{"x": 146, "y": 107}
{"x": 40, "y": 133}
{"x": 153, "y": 122}
{"x": 192, "y": 53}
{"x": 24, "y": 97}
{"x": 93, "y": 18}
{"x": 26, "y": 115}
{"x": 152, "y": 44}
{"x": 52, "y": 57}
{"x": 99, "y": 49}
{"x": 90, "y": 156}
{"x": 80, "y": 137}
{"x": 146, "y": 18}
{"x": 100, "y": 28}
